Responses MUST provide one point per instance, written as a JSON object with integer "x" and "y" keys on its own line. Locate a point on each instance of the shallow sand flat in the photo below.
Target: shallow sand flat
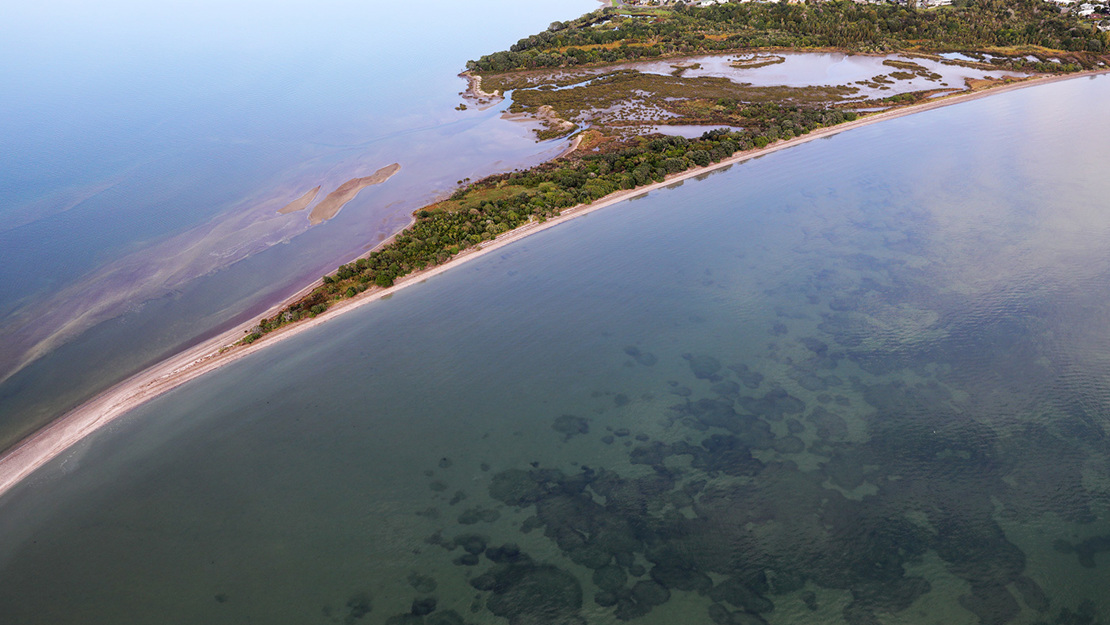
{"x": 53, "y": 440}
{"x": 329, "y": 207}
{"x": 300, "y": 203}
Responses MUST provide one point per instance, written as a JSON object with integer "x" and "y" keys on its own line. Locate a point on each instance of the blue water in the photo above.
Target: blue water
{"x": 147, "y": 148}
{"x": 862, "y": 380}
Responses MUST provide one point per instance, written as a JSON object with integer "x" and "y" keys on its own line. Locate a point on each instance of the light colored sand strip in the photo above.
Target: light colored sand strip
{"x": 53, "y": 440}
{"x": 329, "y": 206}
{"x": 300, "y": 203}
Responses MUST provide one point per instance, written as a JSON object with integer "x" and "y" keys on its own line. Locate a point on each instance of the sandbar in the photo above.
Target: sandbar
{"x": 330, "y": 205}
{"x": 300, "y": 203}
{"x": 53, "y": 440}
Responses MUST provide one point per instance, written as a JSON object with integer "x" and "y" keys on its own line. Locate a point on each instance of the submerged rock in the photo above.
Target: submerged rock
{"x": 1032, "y": 594}
{"x": 809, "y": 598}
{"x": 681, "y": 576}
{"x": 992, "y": 603}
{"x": 610, "y": 577}
{"x": 531, "y": 594}
{"x": 736, "y": 593}
{"x": 570, "y": 425}
{"x": 358, "y": 606}
{"x": 422, "y": 583}
{"x": 650, "y": 593}
{"x": 750, "y": 379}
{"x": 509, "y": 552}
{"x": 814, "y": 345}
{"x": 728, "y": 455}
{"x": 721, "y": 615}
{"x": 421, "y": 607}
{"x": 472, "y": 543}
{"x": 515, "y": 487}
{"x": 788, "y": 445}
{"x": 774, "y": 405}
{"x": 647, "y": 359}
{"x": 829, "y": 424}
{"x": 606, "y": 598}
{"x": 445, "y": 617}
{"x": 475, "y": 515}
{"x": 704, "y": 367}
{"x": 727, "y": 388}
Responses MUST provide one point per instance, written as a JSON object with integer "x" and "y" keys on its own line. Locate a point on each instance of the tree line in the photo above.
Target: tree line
{"x": 609, "y": 36}
{"x": 480, "y": 211}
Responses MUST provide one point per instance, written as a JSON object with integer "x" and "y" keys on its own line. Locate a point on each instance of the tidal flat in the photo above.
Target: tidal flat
{"x": 645, "y": 96}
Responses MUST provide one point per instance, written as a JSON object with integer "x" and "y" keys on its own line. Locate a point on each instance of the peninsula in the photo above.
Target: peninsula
{"x": 611, "y": 162}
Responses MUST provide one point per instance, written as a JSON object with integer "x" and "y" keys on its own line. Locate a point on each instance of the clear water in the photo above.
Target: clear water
{"x": 863, "y": 380}
{"x": 147, "y": 148}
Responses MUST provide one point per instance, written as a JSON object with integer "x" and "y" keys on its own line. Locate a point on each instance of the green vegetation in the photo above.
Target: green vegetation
{"x": 611, "y": 35}
{"x": 628, "y": 98}
{"x": 607, "y": 162}
{"x": 499, "y": 203}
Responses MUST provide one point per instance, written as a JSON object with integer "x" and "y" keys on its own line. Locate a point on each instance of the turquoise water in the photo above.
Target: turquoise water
{"x": 863, "y": 380}
{"x": 147, "y": 148}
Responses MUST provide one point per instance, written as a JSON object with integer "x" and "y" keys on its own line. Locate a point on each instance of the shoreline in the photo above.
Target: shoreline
{"x": 50, "y": 442}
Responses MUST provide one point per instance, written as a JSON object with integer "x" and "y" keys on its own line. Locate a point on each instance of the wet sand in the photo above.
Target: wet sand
{"x": 52, "y": 441}
{"x": 300, "y": 203}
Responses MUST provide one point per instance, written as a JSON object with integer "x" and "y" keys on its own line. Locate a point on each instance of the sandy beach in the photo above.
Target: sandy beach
{"x": 52, "y": 441}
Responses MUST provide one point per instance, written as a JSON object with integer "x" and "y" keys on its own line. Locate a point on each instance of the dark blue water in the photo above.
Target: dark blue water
{"x": 863, "y": 380}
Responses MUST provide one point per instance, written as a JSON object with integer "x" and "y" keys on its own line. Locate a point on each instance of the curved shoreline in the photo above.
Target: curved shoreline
{"x": 48, "y": 443}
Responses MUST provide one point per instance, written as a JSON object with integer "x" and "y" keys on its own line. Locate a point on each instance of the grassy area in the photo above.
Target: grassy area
{"x": 632, "y": 98}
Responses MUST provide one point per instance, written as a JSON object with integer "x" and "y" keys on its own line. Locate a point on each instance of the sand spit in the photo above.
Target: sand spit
{"x": 55, "y": 439}
{"x": 300, "y": 203}
{"x": 482, "y": 99}
{"x": 329, "y": 207}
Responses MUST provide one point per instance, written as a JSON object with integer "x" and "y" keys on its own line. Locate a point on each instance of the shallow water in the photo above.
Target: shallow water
{"x": 147, "y": 150}
{"x": 811, "y": 69}
{"x": 861, "y": 380}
